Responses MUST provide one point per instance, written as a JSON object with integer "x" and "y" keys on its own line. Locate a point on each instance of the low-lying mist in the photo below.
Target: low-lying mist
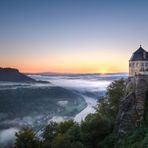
{"x": 66, "y": 97}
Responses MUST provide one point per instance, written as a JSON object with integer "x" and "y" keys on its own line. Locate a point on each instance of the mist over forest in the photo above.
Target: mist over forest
{"x": 36, "y": 104}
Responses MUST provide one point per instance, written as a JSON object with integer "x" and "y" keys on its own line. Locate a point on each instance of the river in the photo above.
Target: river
{"x": 90, "y": 86}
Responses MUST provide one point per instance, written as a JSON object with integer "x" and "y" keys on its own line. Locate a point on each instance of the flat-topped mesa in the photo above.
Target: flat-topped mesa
{"x": 13, "y": 75}
{"x": 8, "y": 70}
{"x": 138, "y": 63}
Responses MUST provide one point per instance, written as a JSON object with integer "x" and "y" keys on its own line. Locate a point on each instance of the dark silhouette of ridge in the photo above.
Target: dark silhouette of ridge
{"x": 13, "y": 75}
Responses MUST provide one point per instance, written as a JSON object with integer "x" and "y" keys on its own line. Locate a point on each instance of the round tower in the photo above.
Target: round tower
{"x": 138, "y": 63}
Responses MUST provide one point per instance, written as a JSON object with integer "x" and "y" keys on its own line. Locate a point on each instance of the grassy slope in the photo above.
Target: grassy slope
{"x": 35, "y": 101}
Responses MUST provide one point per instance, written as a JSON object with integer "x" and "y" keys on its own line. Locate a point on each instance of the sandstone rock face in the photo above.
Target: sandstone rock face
{"x": 133, "y": 106}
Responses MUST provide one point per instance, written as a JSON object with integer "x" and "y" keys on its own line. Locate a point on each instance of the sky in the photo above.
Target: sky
{"x": 71, "y": 36}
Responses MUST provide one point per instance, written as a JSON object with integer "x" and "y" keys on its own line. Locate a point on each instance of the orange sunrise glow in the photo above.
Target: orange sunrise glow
{"x": 76, "y": 63}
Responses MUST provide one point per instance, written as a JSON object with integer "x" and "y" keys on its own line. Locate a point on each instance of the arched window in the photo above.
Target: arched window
{"x": 146, "y": 64}
{"x": 133, "y": 65}
{"x": 144, "y": 55}
{"x": 137, "y": 64}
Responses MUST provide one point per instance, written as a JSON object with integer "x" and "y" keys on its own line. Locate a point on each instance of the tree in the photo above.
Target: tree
{"x": 94, "y": 129}
{"x": 74, "y": 132}
{"x": 64, "y": 126}
{"x": 50, "y": 131}
{"x": 63, "y": 141}
{"x": 108, "y": 105}
{"x": 26, "y": 139}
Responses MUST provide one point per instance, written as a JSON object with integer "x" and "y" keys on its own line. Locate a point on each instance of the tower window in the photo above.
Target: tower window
{"x": 146, "y": 64}
{"x": 137, "y": 64}
{"x": 133, "y": 65}
{"x": 144, "y": 55}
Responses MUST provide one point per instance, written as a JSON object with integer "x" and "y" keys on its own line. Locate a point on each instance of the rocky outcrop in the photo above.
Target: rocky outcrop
{"x": 13, "y": 75}
{"x": 133, "y": 108}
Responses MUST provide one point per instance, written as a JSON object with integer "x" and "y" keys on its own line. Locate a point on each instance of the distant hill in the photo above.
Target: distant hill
{"x": 13, "y": 75}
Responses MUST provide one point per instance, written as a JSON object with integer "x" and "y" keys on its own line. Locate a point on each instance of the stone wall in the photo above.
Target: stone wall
{"x": 132, "y": 108}
{"x": 135, "y": 67}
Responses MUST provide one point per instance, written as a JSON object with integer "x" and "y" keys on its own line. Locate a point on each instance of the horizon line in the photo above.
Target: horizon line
{"x": 72, "y": 73}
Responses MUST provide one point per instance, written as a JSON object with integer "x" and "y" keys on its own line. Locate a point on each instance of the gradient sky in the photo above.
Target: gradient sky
{"x": 76, "y": 36}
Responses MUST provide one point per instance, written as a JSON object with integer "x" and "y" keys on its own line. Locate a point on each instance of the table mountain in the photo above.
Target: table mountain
{"x": 13, "y": 75}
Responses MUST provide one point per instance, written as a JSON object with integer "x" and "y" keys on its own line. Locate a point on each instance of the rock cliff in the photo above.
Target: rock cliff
{"x": 13, "y": 75}
{"x": 133, "y": 109}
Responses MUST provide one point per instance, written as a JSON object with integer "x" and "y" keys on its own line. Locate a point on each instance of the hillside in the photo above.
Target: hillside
{"x": 39, "y": 104}
{"x": 13, "y": 75}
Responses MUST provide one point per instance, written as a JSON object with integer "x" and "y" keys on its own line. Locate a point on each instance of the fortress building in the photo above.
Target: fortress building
{"x": 138, "y": 63}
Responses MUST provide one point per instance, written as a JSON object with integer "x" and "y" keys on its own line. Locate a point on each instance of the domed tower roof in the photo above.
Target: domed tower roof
{"x": 139, "y": 55}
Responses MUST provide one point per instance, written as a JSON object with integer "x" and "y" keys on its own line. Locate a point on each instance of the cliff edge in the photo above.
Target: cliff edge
{"x": 13, "y": 75}
{"x": 133, "y": 109}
